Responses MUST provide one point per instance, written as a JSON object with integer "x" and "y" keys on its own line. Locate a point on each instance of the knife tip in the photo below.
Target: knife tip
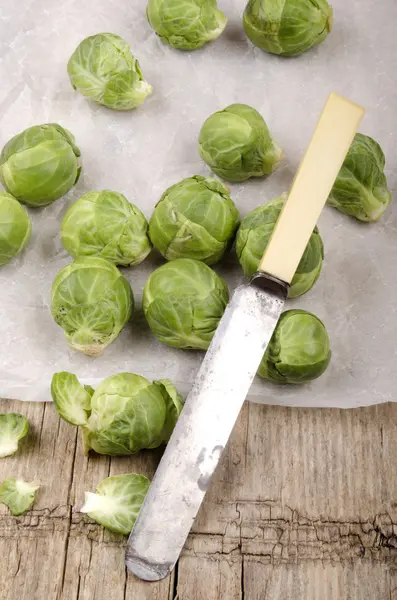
{"x": 146, "y": 570}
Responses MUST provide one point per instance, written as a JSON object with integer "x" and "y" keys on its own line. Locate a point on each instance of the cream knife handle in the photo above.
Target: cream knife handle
{"x": 312, "y": 185}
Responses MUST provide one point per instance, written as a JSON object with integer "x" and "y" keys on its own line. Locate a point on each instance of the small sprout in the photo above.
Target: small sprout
{"x": 117, "y": 501}
{"x": 126, "y": 413}
{"x": 254, "y": 235}
{"x": 18, "y": 495}
{"x": 236, "y": 144}
{"x": 299, "y": 350}
{"x": 103, "y": 68}
{"x": 186, "y": 24}
{"x": 92, "y": 302}
{"x": 15, "y": 227}
{"x": 195, "y": 218}
{"x": 105, "y": 224}
{"x": 287, "y": 28}
{"x": 360, "y": 189}
{"x": 13, "y": 427}
{"x": 183, "y": 302}
{"x": 40, "y": 164}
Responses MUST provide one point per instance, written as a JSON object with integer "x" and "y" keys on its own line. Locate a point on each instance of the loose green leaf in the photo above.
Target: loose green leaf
{"x": 254, "y": 235}
{"x": 287, "y": 27}
{"x": 13, "y": 427}
{"x": 103, "y": 68}
{"x": 195, "y": 218}
{"x": 117, "y": 502}
{"x": 72, "y": 400}
{"x": 40, "y": 164}
{"x": 236, "y": 144}
{"x": 299, "y": 350}
{"x": 18, "y": 495}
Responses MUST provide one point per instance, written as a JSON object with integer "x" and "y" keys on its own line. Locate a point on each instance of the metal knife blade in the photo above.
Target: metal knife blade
{"x": 192, "y": 456}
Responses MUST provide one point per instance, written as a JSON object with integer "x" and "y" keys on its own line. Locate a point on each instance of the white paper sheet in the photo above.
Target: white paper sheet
{"x": 141, "y": 153}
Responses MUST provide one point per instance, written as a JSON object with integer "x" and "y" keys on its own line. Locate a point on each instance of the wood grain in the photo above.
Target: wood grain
{"x": 303, "y": 506}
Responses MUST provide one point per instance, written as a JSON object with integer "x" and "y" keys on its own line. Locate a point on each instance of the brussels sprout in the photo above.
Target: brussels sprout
{"x": 105, "y": 224}
{"x": 126, "y": 413}
{"x": 18, "y": 495}
{"x": 287, "y": 27}
{"x": 299, "y": 350}
{"x": 92, "y": 302}
{"x": 13, "y": 427}
{"x": 254, "y": 235}
{"x": 117, "y": 502}
{"x": 40, "y": 164}
{"x": 15, "y": 227}
{"x": 103, "y": 69}
{"x": 183, "y": 302}
{"x": 186, "y": 24}
{"x": 236, "y": 144}
{"x": 360, "y": 189}
{"x": 195, "y": 218}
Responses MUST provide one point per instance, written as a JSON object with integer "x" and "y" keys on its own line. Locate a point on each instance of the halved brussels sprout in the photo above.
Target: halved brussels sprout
{"x": 299, "y": 350}
{"x": 13, "y": 427}
{"x": 186, "y": 24}
{"x": 287, "y": 27}
{"x": 18, "y": 495}
{"x": 183, "y": 302}
{"x": 40, "y": 164}
{"x": 105, "y": 224}
{"x": 126, "y": 413}
{"x": 91, "y": 301}
{"x": 236, "y": 144}
{"x": 195, "y": 218}
{"x": 117, "y": 501}
{"x": 103, "y": 68}
{"x": 15, "y": 227}
{"x": 254, "y": 235}
{"x": 360, "y": 189}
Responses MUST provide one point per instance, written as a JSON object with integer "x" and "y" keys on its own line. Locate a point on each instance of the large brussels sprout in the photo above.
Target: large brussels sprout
{"x": 126, "y": 413}
{"x": 103, "y": 69}
{"x": 18, "y": 495}
{"x": 105, "y": 224}
{"x": 236, "y": 144}
{"x": 92, "y": 302}
{"x": 15, "y": 227}
{"x": 299, "y": 350}
{"x": 360, "y": 189}
{"x": 186, "y": 24}
{"x": 117, "y": 501}
{"x": 13, "y": 427}
{"x": 254, "y": 235}
{"x": 195, "y": 218}
{"x": 287, "y": 27}
{"x": 40, "y": 164}
{"x": 183, "y": 302}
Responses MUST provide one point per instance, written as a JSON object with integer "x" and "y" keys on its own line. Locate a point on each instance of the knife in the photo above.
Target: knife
{"x": 230, "y": 364}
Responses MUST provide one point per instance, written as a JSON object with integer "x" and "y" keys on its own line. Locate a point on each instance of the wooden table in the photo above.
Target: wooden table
{"x": 304, "y": 507}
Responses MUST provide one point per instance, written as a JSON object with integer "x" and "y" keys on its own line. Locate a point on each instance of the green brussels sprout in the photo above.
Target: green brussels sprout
{"x": 13, "y": 427}
{"x": 236, "y": 144}
{"x": 92, "y": 302}
{"x": 186, "y": 24}
{"x": 254, "y": 235}
{"x": 15, "y": 227}
{"x": 360, "y": 189}
{"x": 183, "y": 302}
{"x": 195, "y": 218}
{"x": 299, "y": 350}
{"x": 103, "y": 69}
{"x": 126, "y": 413}
{"x": 117, "y": 502}
{"x": 18, "y": 495}
{"x": 105, "y": 224}
{"x": 40, "y": 164}
{"x": 287, "y": 27}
